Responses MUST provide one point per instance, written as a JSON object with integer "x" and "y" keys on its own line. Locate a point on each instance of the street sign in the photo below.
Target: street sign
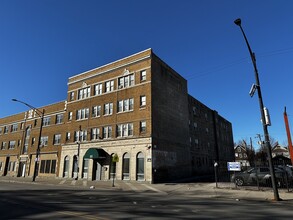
{"x": 234, "y": 166}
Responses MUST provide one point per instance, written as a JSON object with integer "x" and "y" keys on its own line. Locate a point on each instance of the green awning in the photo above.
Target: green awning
{"x": 95, "y": 153}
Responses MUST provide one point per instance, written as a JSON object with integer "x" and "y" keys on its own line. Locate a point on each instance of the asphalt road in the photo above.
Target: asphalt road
{"x": 37, "y": 201}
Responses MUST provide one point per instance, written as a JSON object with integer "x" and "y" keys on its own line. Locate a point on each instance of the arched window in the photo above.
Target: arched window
{"x": 140, "y": 166}
{"x": 75, "y": 167}
{"x": 125, "y": 166}
{"x": 66, "y": 167}
{"x": 112, "y": 167}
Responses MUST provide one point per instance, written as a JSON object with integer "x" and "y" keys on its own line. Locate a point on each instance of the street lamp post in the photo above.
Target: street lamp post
{"x": 41, "y": 115}
{"x": 262, "y": 111}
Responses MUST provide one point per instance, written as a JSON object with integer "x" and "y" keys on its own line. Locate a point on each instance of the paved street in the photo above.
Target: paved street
{"x": 75, "y": 200}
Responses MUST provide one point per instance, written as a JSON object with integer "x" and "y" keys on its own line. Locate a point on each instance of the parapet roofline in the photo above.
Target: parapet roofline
{"x": 108, "y": 64}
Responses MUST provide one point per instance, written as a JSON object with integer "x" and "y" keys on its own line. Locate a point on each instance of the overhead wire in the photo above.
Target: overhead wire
{"x": 228, "y": 65}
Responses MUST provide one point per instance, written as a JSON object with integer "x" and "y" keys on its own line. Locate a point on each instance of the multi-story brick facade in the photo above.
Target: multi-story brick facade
{"x": 136, "y": 110}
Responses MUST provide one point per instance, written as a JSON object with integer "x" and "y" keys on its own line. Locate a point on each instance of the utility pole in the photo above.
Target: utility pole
{"x": 290, "y": 147}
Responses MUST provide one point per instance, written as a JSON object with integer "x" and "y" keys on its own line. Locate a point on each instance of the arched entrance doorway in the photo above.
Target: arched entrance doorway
{"x": 98, "y": 156}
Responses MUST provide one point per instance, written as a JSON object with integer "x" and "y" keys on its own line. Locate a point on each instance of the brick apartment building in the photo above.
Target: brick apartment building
{"x": 136, "y": 110}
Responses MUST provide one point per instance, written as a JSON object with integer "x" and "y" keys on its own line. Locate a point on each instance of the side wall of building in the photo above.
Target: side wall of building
{"x": 170, "y": 131}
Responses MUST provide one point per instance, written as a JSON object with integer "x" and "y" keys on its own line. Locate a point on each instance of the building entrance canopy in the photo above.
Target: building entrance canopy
{"x": 95, "y": 153}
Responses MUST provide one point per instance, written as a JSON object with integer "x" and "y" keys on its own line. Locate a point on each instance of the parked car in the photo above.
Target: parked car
{"x": 258, "y": 174}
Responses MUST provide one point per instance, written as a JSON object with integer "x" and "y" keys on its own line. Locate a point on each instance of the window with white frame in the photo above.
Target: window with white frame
{"x": 95, "y": 134}
{"x": 59, "y": 118}
{"x": 46, "y": 121}
{"x": 96, "y": 111}
{"x": 142, "y": 100}
{"x": 82, "y": 114}
{"x": 125, "y": 105}
{"x": 5, "y": 129}
{"x": 57, "y": 139}
{"x": 11, "y": 144}
{"x": 108, "y": 109}
{"x": 67, "y": 136}
{"x": 80, "y": 135}
{"x": 107, "y": 132}
{"x": 109, "y": 86}
{"x": 142, "y": 127}
{"x": 126, "y": 81}
{"x": 44, "y": 141}
{"x": 98, "y": 89}
{"x": 71, "y": 96}
{"x": 84, "y": 93}
{"x": 143, "y": 75}
{"x": 14, "y": 127}
{"x": 124, "y": 130}
{"x": 0, "y": 130}
{"x": 3, "y": 145}
{"x": 69, "y": 116}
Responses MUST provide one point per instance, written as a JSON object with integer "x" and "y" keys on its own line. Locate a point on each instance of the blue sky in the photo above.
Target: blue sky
{"x": 42, "y": 43}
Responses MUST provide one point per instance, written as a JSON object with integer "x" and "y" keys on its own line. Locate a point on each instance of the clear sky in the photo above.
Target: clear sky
{"x": 42, "y": 43}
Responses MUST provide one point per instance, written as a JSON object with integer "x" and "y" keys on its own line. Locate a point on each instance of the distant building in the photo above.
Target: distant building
{"x": 241, "y": 155}
{"x": 131, "y": 119}
{"x": 280, "y": 155}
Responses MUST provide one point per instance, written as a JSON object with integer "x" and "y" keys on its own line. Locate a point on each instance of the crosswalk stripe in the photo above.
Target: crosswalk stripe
{"x": 62, "y": 182}
{"x": 154, "y": 189}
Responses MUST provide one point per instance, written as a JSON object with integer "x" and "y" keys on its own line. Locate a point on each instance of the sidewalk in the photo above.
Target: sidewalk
{"x": 194, "y": 190}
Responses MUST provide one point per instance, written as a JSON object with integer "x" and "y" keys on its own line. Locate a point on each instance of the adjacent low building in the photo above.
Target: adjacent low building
{"x": 131, "y": 119}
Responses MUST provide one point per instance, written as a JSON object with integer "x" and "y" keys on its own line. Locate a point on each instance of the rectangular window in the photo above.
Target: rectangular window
{"x": 96, "y": 111}
{"x": 80, "y": 135}
{"x": 0, "y": 130}
{"x": 69, "y": 116}
{"x": 125, "y": 105}
{"x": 42, "y": 168}
{"x": 98, "y": 89}
{"x": 142, "y": 101}
{"x": 44, "y": 141}
{"x": 124, "y": 130}
{"x": 109, "y": 86}
{"x": 95, "y": 134}
{"x": 11, "y": 144}
{"x": 59, "y": 118}
{"x": 48, "y": 165}
{"x": 107, "y": 132}
{"x": 82, "y": 114}
{"x": 142, "y": 126}
{"x": 3, "y": 145}
{"x": 57, "y": 139}
{"x": 46, "y": 121}
{"x": 108, "y": 109}
{"x": 126, "y": 81}
{"x": 5, "y": 129}
{"x": 53, "y": 166}
{"x": 143, "y": 75}
{"x": 71, "y": 96}
{"x": 67, "y": 136}
{"x": 84, "y": 93}
{"x": 14, "y": 127}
